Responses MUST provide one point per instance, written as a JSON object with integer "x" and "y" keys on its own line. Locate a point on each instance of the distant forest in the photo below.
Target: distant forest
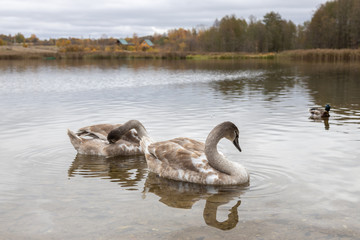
{"x": 335, "y": 25}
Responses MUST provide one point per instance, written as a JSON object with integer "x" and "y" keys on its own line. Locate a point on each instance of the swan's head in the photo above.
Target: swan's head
{"x": 327, "y": 107}
{"x": 115, "y": 135}
{"x": 236, "y": 140}
{"x": 232, "y": 133}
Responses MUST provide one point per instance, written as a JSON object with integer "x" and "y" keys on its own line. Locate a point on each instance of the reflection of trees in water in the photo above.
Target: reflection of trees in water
{"x": 337, "y": 84}
{"x": 127, "y": 171}
{"x": 271, "y": 84}
{"x": 184, "y": 195}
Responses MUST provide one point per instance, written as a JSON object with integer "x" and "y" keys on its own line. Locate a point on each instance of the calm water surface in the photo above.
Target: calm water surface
{"x": 305, "y": 174}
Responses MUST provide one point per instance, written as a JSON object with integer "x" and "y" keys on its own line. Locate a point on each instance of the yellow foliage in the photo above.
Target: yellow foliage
{"x": 182, "y": 46}
{"x": 131, "y": 48}
{"x": 118, "y": 49}
{"x": 63, "y": 42}
{"x": 74, "y": 48}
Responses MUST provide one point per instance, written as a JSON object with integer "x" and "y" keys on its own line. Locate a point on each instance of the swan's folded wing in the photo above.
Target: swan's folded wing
{"x": 122, "y": 148}
{"x": 190, "y": 144}
{"x": 174, "y": 155}
{"x": 99, "y": 131}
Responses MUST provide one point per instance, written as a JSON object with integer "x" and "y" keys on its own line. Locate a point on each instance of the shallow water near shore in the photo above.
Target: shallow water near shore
{"x": 304, "y": 173}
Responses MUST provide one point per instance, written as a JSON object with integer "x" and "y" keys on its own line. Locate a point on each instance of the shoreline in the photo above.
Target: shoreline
{"x": 52, "y": 52}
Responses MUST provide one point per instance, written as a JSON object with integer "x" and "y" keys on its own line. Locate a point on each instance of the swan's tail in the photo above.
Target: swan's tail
{"x": 74, "y": 139}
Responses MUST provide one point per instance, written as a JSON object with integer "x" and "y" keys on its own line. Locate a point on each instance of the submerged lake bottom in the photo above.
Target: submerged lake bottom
{"x": 304, "y": 173}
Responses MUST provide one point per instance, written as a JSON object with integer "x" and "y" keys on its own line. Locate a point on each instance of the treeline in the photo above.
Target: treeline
{"x": 103, "y": 44}
{"x": 334, "y": 25}
{"x": 232, "y": 34}
{"x": 20, "y": 38}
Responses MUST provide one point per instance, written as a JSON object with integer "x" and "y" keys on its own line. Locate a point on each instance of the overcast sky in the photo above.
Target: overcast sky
{"x": 122, "y": 18}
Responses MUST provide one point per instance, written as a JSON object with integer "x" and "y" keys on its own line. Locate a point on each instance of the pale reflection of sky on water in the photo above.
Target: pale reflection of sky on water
{"x": 305, "y": 180}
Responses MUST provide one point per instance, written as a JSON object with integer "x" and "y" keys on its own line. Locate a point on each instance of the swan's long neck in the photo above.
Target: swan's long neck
{"x": 215, "y": 159}
{"x": 145, "y": 139}
{"x": 140, "y": 129}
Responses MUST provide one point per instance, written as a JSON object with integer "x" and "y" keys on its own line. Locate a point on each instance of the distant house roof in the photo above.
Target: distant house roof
{"x": 148, "y": 42}
{"x": 123, "y": 42}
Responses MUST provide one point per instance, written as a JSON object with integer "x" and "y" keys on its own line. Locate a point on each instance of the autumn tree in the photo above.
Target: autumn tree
{"x": 180, "y": 39}
{"x": 255, "y": 36}
{"x": 232, "y": 33}
{"x": 288, "y": 35}
{"x": 226, "y": 35}
{"x": 355, "y": 25}
{"x": 19, "y": 38}
{"x": 336, "y": 24}
{"x": 136, "y": 42}
{"x": 209, "y": 39}
{"x": 273, "y": 24}
{"x": 33, "y": 39}
{"x": 301, "y": 41}
{"x": 63, "y": 42}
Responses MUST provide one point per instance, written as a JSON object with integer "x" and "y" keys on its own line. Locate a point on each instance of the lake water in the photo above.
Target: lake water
{"x": 305, "y": 174}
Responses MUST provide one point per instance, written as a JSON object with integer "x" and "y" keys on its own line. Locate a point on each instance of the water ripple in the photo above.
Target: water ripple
{"x": 267, "y": 180}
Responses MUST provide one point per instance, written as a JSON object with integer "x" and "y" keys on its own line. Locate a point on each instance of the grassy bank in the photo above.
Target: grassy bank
{"x": 19, "y": 52}
{"x": 52, "y": 52}
{"x": 34, "y": 52}
{"x": 204, "y": 56}
{"x": 323, "y": 55}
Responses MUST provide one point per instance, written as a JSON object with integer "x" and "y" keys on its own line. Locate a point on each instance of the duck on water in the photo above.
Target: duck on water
{"x": 317, "y": 113}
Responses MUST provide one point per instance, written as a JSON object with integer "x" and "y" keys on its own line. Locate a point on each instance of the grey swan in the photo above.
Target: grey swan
{"x": 188, "y": 160}
{"x": 92, "y": 140}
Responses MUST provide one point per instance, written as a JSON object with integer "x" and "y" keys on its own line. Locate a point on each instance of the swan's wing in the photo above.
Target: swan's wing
{"x": 123, "y": 148}
{"x": 190, "y": 144}
{"x": 97, "y": 131}
{"x": 178, "y": 153}
{"x": 102, "y": 130}
{"x": 181, "y": 159}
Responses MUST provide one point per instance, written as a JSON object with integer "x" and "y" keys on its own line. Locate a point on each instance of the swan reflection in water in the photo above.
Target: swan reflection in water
{"x": 129, "y": 171}
{"x": 183, "y": 195}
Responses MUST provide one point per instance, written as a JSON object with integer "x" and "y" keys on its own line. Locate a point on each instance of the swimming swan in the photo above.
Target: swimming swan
{"x": 188, "y": 160}
{"x": 319, "y": 112}
{"x": 92, "y": 140}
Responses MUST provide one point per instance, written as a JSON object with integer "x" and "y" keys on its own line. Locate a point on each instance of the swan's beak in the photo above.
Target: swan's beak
{"x": 236, "y": 143}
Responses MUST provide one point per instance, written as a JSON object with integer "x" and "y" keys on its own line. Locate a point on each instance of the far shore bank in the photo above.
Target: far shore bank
{"x": 52, "y": 53}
